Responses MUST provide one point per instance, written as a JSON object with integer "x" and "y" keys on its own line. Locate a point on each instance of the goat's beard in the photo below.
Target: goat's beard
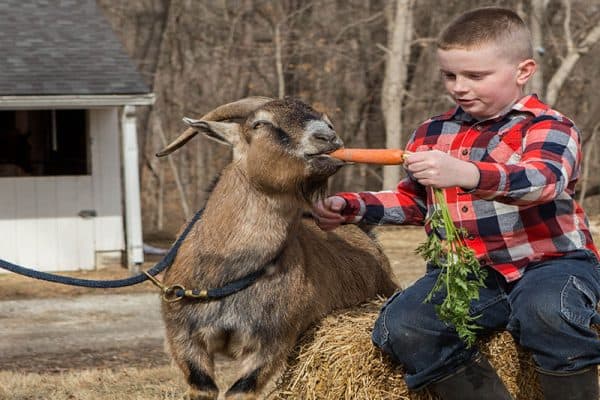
{"x": 313, "y": 190}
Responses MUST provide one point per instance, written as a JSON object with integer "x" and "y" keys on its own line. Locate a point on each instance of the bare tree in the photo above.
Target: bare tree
{"x": 400, "y": 31}
{"x": 197, "y": 54}
{"x": 536, "y": 23}
{"x": 574, "y": 53}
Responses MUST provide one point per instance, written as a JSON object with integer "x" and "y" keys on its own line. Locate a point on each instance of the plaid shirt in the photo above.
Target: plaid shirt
{"x": 522, "y": 210}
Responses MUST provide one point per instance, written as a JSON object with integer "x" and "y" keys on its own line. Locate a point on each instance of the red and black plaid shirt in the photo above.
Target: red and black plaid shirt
{"x": 522, "y": 210}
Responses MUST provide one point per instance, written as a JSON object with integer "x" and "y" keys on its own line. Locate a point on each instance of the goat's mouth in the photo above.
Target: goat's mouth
{"x": 323, "y": 153}
{"x": 322, "y": 164}
{"x": 310, "y": 156}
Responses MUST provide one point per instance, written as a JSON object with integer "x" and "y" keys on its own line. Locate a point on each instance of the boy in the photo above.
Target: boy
{"x": 508, "y": 165}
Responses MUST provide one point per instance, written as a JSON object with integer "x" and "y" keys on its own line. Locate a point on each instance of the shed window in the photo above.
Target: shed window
{"x": 44, "y": 143}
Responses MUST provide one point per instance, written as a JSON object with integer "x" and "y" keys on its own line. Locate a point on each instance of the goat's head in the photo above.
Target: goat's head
{"x": 283, "y": 145}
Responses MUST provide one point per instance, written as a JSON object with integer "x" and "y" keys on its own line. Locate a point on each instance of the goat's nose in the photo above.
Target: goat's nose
{"x": 328, "y": 136}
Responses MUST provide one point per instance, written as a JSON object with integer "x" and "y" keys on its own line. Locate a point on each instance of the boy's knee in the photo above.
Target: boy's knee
{"x": 401, "y": 328}
{"x": 397, "y": 337}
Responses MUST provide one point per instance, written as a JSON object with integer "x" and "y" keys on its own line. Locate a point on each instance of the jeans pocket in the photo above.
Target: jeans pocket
{"x": 578, "y": 302}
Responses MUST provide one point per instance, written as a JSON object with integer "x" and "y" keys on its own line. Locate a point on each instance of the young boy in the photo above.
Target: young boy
{"x": 508, "y": 165}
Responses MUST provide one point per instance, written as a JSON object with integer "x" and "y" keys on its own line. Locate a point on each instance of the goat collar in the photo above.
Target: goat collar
{"x": 178, "y": 292}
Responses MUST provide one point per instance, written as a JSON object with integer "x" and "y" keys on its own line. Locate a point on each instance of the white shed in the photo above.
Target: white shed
{"x": 69, "y": 182}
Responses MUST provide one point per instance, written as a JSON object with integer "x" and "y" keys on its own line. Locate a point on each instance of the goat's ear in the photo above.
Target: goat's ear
{"x": 221, "y": 132}
{"x": 326, "y": 119}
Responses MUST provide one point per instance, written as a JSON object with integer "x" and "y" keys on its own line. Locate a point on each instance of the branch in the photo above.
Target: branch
{"x": 383, "y": 48}
{"x": 356, "y": 23}
{"x": 592, "y": 191}
{"x": 423, "y": 41}
{"x": 573, "y": 55}
{"x": 567, "y": 26}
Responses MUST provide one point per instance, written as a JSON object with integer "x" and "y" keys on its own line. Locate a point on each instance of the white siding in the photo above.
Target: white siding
{"x": 8, "y": 221}
{"x": 40, "y": 224}
{"x": 106, "y": 178}
{"x": 46, "y": 206}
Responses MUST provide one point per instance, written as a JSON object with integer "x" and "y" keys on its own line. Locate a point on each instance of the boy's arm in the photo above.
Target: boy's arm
{"x": 550, "y": 162}
{"x": 405, "y": 205}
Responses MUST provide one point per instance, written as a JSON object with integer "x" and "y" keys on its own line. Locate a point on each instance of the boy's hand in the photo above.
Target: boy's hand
{"x": 438, "y": 169}
{"x": 328, "y": 212}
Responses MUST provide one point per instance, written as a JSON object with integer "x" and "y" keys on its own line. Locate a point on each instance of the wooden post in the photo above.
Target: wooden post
{"x": 133, "y": 215}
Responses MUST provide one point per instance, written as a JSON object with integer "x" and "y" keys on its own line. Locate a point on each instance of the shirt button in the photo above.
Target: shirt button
{"x": 465, "y": 152}
{"x": 465, "y": 208}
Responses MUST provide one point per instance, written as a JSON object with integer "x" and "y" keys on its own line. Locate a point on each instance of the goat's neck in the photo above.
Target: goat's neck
{"x": 243, "y": 223}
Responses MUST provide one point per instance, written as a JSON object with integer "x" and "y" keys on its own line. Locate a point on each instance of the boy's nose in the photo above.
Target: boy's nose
{"x": 459, "y": 85}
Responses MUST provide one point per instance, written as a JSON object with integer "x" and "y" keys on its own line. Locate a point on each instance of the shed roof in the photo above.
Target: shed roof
{"x": 62, "y": 47}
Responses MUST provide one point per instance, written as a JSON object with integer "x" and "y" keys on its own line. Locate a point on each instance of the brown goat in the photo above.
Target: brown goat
{"x": 253, "y": 220}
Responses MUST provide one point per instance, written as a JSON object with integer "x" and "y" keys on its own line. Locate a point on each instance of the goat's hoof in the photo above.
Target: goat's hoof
{"x": 193, "y": 394}
{"x": 241, "y": 396}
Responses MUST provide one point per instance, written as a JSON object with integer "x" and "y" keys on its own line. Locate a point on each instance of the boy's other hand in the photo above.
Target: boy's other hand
{"x": 438, "y": 169}
{"x": 328, "y": 212}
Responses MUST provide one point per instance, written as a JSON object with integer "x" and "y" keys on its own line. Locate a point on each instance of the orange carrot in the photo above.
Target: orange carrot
{"x": 371, "y": 156}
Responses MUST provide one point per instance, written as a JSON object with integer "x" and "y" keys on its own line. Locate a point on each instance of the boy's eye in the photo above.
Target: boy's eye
{"x": 448, "y": 75}
{"x": 475, "y": 77}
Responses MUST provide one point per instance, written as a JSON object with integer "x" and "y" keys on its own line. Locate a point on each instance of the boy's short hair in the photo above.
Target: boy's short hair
{"x": 488, "y": 25}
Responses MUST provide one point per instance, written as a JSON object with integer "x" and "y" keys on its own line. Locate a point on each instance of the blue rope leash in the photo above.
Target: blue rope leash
{"x": 159, "y": 267}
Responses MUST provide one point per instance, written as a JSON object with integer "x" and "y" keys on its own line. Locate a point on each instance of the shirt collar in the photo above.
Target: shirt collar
{"x": 530, "y": 103}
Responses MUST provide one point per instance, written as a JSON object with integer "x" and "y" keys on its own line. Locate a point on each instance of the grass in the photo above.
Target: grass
{"x": 162, "y": 383}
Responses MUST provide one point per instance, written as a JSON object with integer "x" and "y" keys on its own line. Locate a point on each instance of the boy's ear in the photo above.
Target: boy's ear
{"x": 525, "y": 71}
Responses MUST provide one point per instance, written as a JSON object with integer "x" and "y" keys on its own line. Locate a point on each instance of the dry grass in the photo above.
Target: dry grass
{"x": 162, "y": 383}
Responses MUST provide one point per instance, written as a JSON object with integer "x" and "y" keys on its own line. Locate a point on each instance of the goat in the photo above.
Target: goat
{"x": 253, "y": 220}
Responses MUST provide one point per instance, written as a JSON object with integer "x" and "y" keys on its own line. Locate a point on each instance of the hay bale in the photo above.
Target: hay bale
{"x": 336, "y": 360}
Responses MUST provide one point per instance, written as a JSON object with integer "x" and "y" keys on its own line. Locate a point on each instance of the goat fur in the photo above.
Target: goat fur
{"x": 254, "y": 219}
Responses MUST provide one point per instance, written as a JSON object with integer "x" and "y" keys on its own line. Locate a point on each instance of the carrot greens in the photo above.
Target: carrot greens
{"x": 461, "y": 276}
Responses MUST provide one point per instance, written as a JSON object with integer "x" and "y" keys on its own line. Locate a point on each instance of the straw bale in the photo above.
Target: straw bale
{"x": 336, "y": 360}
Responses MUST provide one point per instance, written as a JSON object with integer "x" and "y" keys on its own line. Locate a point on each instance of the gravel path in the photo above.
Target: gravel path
{"x": 76, "y": 332}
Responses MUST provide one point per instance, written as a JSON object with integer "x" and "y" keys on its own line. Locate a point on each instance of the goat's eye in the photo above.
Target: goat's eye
{"x": 260, "y": 124}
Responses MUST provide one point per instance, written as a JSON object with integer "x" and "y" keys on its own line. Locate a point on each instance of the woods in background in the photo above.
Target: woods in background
{"x": 368, "y": 63}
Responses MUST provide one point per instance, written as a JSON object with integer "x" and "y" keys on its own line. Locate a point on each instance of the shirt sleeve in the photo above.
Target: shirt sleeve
{"x": 405, "y": 205}
{"x": 550, "y": 162}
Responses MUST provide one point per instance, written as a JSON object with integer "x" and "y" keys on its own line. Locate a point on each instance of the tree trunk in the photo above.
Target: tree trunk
{"x": 538, "y": 12}
{"x": 396, "y": 69}
{"x": 279, "y": 63}
{"x": 574, "y": 52}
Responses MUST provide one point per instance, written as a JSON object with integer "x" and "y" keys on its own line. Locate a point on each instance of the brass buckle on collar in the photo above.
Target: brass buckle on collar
{"x": 171, "y": 294}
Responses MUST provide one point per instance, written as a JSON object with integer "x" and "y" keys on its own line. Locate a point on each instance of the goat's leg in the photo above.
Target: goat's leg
{"x": 200, "y": 372}
{"x": 197, "y": 365}
{"x": 258, "y": 370}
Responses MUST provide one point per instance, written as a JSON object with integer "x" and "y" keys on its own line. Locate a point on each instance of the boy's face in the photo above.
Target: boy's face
{"x": 482, "y": 80}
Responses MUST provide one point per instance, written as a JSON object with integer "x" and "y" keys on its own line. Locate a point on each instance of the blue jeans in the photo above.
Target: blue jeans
{"x": 548, "y": 311}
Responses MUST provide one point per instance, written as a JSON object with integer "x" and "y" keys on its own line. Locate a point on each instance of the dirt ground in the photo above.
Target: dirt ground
{"x": 50, "y": 328}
